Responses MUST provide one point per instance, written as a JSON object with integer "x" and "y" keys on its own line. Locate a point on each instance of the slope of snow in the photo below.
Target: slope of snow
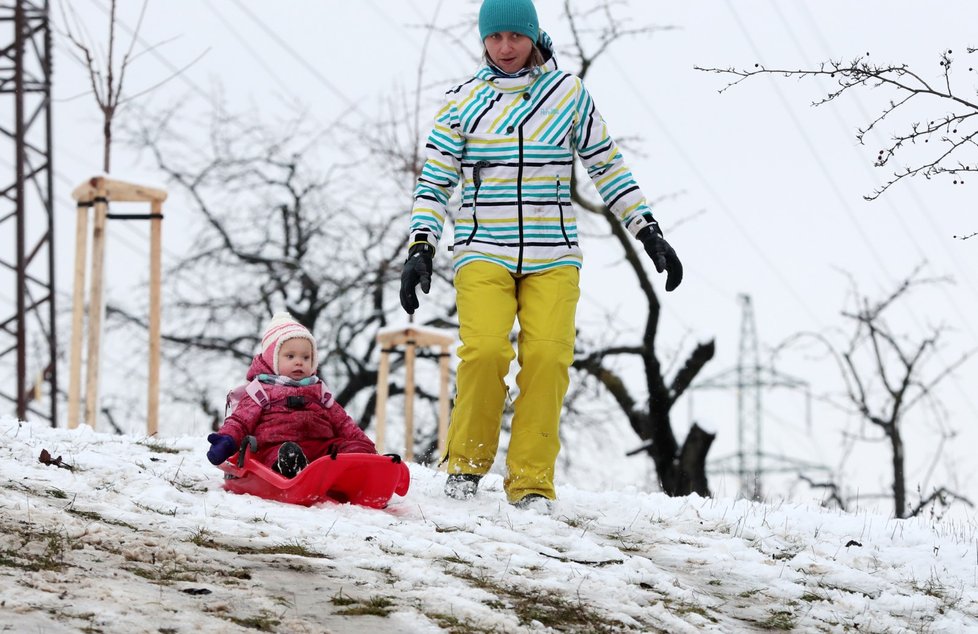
{"x": 140, "y": 537}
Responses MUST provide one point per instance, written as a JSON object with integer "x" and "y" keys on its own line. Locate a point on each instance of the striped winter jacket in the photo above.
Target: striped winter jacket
{"x": 511, "y": 143}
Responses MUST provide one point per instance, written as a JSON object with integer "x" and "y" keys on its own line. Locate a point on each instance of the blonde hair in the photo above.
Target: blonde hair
{"x": 535, "y": 61}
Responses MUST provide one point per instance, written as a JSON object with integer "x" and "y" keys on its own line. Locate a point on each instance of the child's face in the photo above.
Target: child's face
{"x": 295, "y": 359}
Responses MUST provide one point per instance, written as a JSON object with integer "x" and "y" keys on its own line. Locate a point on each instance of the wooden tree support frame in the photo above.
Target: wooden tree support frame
{"x": 97, "y": 193}
{"x": 411, "y": 337}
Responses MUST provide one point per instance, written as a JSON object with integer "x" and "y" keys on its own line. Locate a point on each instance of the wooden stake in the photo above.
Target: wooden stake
{"x": 95, "y": 309}
{"x": 382, "y": 387}
{"x": 77, "y": 316}
{"x": 443, "y": 402}
{"x": 409, "y": 401}
{"x": 155, "y": 268}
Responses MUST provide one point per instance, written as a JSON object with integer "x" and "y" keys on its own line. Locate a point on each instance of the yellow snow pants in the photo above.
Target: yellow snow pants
{"x": 489, "y": 297}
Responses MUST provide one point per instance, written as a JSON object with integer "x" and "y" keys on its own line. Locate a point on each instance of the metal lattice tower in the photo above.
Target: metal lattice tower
{"x": 748, "y": 405}
{"x": 26, "y": 211}
{"x": 749, "y": 378}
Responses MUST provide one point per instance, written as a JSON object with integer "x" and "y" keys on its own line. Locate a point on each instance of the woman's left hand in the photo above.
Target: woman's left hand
{"x": 663, "y": 255}
{"x": 417, "y": 270}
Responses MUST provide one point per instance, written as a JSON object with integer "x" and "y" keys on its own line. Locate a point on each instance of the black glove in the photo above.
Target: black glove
{"x": 222, "y": 448}
{"x": 395, "y": 458}
{"x": 663, "y": 256}
{"x": 417, "y": 268}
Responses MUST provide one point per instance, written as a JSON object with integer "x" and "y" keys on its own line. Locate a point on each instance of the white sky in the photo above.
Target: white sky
{"x": 138, "y": 540}
{"x": 770, "y": 188}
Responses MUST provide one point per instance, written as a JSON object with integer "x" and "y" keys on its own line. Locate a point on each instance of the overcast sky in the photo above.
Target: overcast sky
{"x": 763, "y": 194}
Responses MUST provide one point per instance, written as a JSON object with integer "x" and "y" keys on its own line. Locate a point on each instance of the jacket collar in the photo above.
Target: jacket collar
{"x": 509, "y": 83}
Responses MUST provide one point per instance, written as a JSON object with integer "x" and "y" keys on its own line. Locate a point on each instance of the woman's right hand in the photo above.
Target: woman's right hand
{"x": 417, "y": 269}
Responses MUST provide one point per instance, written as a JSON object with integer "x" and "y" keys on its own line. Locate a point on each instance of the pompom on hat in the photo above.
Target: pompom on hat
{"x": 516, "y": 16}
{"x": 280, "y": 329}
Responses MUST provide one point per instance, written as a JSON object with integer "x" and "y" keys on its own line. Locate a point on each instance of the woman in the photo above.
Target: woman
{"x": 509, "y": 135}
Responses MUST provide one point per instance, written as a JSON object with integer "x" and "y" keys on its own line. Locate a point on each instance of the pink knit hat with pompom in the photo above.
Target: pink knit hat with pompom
{"x": 280, "y": 329}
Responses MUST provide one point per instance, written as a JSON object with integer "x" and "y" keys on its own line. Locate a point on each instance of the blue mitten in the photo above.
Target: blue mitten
{"x": 222, "y": 448}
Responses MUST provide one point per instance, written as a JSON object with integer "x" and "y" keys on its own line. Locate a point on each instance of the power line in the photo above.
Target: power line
{"x": 276, "y": 77}
{"x": 680, "y": 151}
{"x": 826, "y": 173}
{"x": 947, "y": 294}
{"x": 177, "y": 72}
{"x": 299, "y": 58}
{"x": 397, "y": 28}
{"x": 888, "y": 200}
{"x": 181, "y": 75}
{"x": 909, "y": 184}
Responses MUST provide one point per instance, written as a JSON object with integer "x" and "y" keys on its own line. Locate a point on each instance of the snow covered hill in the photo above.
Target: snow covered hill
{"x": 138, "y": 536}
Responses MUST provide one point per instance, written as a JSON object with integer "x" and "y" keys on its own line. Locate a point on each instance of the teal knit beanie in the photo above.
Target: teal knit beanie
{"x": 518, "y": 16}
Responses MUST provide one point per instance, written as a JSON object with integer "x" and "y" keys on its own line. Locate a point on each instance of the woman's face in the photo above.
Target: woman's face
{"x": 509, "y": 51}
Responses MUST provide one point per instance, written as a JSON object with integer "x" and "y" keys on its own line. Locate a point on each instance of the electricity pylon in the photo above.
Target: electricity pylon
{"x": 26, "y": 225}
{"x": 749, "y": 378}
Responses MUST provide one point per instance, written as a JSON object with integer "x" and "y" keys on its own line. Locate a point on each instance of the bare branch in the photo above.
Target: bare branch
{"x": 940, "y": 496}
{"x": 165, "y": 80}
{"x": 947, "y": 131}
{"x": 831, "y": 487}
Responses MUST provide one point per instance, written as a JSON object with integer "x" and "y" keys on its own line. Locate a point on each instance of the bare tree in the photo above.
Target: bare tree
{"x": 107, "y": 84}
{"x": 942, "y": 146}
{"x": 887, "y": 378}
{"x": 283, "y": 226}
{"x": 274, "y": 230}
{"x": 681, "y": 469}
{"x": 106, "y": 78}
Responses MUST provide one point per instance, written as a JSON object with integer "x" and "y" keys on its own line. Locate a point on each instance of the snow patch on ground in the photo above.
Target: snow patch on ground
{"x": 139, "y": 536}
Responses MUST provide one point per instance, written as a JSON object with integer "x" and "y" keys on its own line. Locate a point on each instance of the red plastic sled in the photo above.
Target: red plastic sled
{"x": 358, "y": 478}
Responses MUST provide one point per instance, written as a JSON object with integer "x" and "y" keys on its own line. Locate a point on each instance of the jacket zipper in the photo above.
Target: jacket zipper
{"x": 519, "y": 199}
{"x": 477, "y": 179}
{"x": 560, "y": 204}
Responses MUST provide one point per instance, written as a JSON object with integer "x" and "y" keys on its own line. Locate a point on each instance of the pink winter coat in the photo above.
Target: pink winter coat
{"x": 307, "y": 415}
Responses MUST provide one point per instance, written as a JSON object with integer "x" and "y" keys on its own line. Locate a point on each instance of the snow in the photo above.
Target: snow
{"x": 140, "y": 537}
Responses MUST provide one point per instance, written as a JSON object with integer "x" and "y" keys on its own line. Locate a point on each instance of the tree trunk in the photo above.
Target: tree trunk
{"x": 899, "y": 484}
{"x": 681, "y": 470}
{"x": 107, "y": 140}
{"x": 692, "y": 463}
{"x": 664, "y": 450}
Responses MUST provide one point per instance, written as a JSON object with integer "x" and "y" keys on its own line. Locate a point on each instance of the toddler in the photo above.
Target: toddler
{"x": 288, "y": 409}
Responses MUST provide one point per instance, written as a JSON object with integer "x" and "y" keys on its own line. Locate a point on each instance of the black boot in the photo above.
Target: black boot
{"x": 291, "y": 460}
{"x": 462, "y": 486}
{"x": 535, "y": 501}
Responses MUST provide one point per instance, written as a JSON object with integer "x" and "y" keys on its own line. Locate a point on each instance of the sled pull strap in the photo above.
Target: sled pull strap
{"x": 249, "y": 442}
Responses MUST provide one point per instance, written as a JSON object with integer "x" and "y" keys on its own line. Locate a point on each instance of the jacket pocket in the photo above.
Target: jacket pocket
{"x": 560, "y": 205}
{"x": 477, "y": 180}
